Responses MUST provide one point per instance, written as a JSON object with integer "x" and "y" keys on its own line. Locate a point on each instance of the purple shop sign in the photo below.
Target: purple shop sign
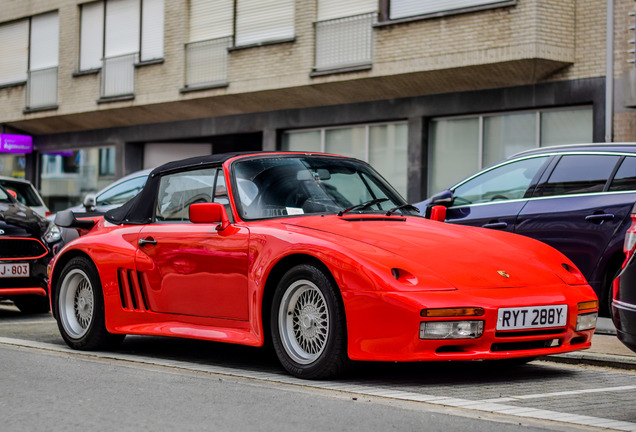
{"x": 16, "y": 143}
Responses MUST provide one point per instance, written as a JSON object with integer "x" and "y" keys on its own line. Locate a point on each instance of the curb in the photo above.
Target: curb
{"x": 593, "y": 359}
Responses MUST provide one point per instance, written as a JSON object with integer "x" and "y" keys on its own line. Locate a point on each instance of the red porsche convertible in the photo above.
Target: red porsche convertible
{"x": 319, "y": 256}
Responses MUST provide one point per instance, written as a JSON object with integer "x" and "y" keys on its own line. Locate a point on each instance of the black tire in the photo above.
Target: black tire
{"x": 308, "y": 325}
{"x": 32, "y": 304}
{"x": 80, "y": 307}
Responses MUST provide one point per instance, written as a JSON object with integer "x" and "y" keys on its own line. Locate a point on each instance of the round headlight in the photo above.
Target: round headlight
{"x": 53, "y": 234}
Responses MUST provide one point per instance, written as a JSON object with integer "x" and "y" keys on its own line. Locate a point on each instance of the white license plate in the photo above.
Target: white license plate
{"x": 532, "y": 317}
{"x": 14, "y": 270}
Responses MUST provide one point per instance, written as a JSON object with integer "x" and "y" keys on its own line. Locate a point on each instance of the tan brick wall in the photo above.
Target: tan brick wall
{"x": 567, "y": 37}
{"x": 624, "y": 121}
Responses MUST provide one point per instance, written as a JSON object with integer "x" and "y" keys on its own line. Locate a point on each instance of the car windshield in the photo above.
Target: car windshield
{"x": 287, "y": 186}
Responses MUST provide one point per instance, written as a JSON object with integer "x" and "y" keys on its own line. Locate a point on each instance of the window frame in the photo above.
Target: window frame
{"x": 384, "y": 14}
{"x": 217, "y": 170}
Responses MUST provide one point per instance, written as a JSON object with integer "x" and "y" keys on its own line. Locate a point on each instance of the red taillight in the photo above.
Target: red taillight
{"x": 48, "y": 213}
{"x": 630, "y": 235}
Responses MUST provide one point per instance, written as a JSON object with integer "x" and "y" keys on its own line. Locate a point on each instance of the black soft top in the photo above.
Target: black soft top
{"x": 140, "y": 209}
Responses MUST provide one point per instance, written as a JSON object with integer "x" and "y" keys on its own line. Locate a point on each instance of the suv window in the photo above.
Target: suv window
{"x": 625, "y": 178}
{"x": 506, "y": 182}
{"x": 577, "y": 174}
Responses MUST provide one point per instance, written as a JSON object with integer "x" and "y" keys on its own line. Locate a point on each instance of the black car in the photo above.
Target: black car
{"x": 624, "y": 304}
{"x": 576, "y": 198}
{"x": 27, "y": 244}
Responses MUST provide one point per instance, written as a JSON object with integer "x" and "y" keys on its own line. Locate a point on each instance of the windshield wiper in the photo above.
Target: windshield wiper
{"x": 362, "y": 206}
{"x": 400, "y": 207}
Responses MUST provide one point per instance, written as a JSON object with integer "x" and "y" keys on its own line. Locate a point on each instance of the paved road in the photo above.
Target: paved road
{"x": 565, "y": 395}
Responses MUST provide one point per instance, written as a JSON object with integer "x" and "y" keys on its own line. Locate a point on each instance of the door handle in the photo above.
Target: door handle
{"x": 599, "y": 218}
{"x": 147, "y": 241}
{"x": 496, "y": 225}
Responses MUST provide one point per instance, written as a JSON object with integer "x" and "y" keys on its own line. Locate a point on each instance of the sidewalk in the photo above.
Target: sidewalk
{"x": 606, "y": 350}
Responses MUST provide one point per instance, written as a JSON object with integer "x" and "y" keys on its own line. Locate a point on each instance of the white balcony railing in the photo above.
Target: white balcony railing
{"x": 344, "y": 42}
{"x": 206, "y": 62}
{"x": 42, "y": 88}
{"x": 118, "y": 75}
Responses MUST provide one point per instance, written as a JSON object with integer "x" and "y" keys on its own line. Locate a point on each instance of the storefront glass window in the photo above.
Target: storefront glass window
{"x": 12, "y": 165}
{"x": 67, "y": 176}
{"x": 459, "y": 147}
{"x": 455, "y": 153}
{"x": 383, "y": 145}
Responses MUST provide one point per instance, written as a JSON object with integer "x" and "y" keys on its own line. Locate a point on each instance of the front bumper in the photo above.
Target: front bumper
{"x": 35, "y": 284}
{"x": 384, "y": 326}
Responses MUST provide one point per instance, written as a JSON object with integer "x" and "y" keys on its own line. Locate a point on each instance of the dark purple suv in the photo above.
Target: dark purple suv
{"x": 576, "y": 198}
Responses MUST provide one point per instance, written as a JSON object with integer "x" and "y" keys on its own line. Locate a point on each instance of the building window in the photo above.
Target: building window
{"x": 383, "y": 145}
{"x": 344, "y": 34}
{"x": 107, "y": 161}
{"x": 260, "y": 22}
{"x": 14, "y": 51}
{"x": 115, "y": 35}
{"x": 30, "y": 51}
{"x": 216, "y": 26}
{"x": 43, "y": 61}
{"x": 459, "y": 147}
{"x": 399, "y": 9}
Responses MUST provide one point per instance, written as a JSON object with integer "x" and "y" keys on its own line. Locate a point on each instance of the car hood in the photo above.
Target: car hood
{"x": 19, "y": 220}
{"x": 466, "y": 257}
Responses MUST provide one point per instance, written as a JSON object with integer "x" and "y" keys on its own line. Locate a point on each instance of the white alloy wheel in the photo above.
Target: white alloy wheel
{"x": 303, "y": 322}
{"x": 76, "y": 303}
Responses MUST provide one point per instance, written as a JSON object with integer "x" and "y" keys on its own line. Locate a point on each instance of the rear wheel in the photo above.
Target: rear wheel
{"x": 80, "y": 307}
{"x": 308, "y": 324}
{"x": 32, "y": 304}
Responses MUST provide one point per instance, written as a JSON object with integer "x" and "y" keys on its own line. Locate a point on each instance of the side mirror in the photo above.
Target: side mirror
{"x": 90, "y": 202}
{"x": 443, "y": 198}
{"x": 13, "y": 193}
{"x": 438, "y": 213}
{"x": 209, "y": 213}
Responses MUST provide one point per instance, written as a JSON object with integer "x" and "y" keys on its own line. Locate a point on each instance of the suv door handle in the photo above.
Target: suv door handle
{"x": 599, "y": 218}
{"x": 147, "y": 241}
{"x": 496, "y": 225}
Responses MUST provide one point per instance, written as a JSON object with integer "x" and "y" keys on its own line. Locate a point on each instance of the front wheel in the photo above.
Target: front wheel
{"x": 80, "y": 307}
{"x": 308, "y": 324}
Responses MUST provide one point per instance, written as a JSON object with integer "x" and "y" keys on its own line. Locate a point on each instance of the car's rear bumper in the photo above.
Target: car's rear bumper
{"x": 624, "y": 317}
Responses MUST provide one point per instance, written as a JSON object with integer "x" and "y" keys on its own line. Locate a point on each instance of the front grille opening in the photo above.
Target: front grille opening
{"x": 21, "y": 248}
{"x": 526, "y": 345}
{"x": 578, "y": 340}
{"x": 449, "y": 349}
{"x": 530, "y": 333}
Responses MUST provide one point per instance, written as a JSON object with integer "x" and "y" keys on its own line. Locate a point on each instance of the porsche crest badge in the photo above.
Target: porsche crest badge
{"x": 503, "y": 273}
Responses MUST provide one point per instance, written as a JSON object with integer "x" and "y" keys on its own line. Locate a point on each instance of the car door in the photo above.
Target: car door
{"x": 576, "y": 210}
{"x": 193, "y": 269}
{"x": 494, "y": 198}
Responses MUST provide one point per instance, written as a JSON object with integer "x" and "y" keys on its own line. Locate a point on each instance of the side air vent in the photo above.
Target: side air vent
{"x": 131, "y": 290}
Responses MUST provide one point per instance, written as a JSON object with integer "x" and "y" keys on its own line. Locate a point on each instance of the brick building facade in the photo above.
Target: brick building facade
{"x": 426, "y": 91}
